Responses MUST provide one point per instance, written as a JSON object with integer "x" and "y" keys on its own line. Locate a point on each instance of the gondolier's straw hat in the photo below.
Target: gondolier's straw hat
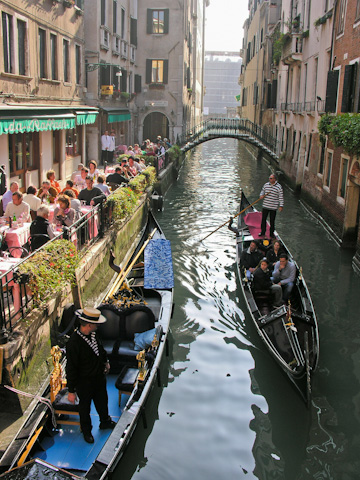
{"x": 91, "y": 315}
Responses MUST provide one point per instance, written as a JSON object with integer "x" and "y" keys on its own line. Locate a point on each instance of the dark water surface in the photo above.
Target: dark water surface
{"x": 225, "y": 410}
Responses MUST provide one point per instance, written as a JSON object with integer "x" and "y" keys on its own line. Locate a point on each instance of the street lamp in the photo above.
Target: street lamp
{"x": 119, "y": 75}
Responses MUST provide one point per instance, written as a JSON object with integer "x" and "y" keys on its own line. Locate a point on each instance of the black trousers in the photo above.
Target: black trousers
{"x": 92, "y": 389}
{"x": 104, "y": 156}
{"x": 265, "y": 213}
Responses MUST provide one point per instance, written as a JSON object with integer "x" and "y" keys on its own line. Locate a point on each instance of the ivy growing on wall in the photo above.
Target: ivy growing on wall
{"x": 343, "y": 130}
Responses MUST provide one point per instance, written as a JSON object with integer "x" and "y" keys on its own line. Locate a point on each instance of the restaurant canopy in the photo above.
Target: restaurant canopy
{"x": 117, "y": 114}
{"x": 39, "y": 118}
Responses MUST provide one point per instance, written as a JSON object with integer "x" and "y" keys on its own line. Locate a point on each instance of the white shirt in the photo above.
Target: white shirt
{"x": 105, "y": 142}
{"x": 111, "y": 143}
{"x": 33, "y": 201}
{"x": 22, "y": 210}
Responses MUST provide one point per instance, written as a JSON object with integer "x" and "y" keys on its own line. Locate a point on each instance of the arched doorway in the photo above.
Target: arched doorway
{"x": 155, "y": 124}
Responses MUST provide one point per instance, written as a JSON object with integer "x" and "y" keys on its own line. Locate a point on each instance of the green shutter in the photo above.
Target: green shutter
{"x": 137, "y": 83}
{"x": 149, "y": 24}
{"x": 133, "y": 31}
{"x": 166, "y": 20}
{"x": 148, "y": 70}
{"x": 166, "y": 69}
{"x": 331, "y": 91}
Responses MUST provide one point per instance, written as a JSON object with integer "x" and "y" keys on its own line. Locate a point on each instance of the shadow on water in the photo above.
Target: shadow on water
{"x": 227, "y": 410}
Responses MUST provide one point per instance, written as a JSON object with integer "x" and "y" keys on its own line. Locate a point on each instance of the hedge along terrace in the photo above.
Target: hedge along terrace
{"x": 53, "y": 266}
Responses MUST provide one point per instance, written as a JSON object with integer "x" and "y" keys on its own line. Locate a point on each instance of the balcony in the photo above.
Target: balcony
{"x": 292, "y": 50}
{"x": 104, "y": 38}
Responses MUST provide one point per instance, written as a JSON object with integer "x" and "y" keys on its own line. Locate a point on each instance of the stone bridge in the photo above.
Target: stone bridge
{"x": 239, "y": 128}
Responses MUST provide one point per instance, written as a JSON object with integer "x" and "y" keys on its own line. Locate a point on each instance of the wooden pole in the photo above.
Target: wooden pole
{"x": 242, "y": 211}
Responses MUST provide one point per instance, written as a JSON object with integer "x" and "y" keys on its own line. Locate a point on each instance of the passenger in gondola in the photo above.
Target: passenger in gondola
{"x": 250, "y": 258}
{"x": 284, "y": 274}
{"x": 262, "y": 283}
{"x": 273, "y": 254}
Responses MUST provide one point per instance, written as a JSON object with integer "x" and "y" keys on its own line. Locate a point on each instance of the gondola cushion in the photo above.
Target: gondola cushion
{"x": 61, "y": 402}
{"x": 126, "y": 379}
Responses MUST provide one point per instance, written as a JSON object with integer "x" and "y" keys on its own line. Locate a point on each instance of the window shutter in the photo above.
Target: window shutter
{"x": 149, "y": 23}
{"x": 137, "y": 83}
{"x": 124, "y": 80}
{"x": 166, "y": 20}
{"x": 166, "y": 69}
{"x": 331, "y": 90}
{"x": 133, "y": 31}
{"x": 105, "y": 75}
{"x": 273, "y": 94}
{"x": 348, "y": 94}
{"x": 148, "y": 70}
{"x": 268, "y": 96}
{"x": 188, "y": 82}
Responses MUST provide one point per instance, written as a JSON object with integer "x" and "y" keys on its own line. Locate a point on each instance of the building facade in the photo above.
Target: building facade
{"x": 43, "y": 118}
{"x": 221, "y": 88}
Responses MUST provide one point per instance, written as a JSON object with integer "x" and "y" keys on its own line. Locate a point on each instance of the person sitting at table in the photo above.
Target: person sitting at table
{"x": 116, "y": 177}
{"x": 40, "y": 229}
{"x": 64, "y": 214}
{"x": 93, "y": 171}
{"x": 32, "y": 200}
{"x": 70, "y": 186}
{"x": 74, "y": 204}
{"x": 142, "y": 164}
{"x": 134, "y": 167}
{"x": 17, "y": 208}
{"x": 137, "y": 149}
{"x": 91, "y": 195}
{"x": 7, "y": 197}
{"x": 103, "y": 187}
{"x": 77, "y": 172}
{"x": 50, "y": 175}
{"x": 47, "y": 193}
{"x": 130, "y": 151}
{"x": 80, "y": 179}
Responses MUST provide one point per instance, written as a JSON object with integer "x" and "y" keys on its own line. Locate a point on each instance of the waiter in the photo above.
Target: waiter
{"x": 86, "y": 367}
{"x": 274, "y": 199}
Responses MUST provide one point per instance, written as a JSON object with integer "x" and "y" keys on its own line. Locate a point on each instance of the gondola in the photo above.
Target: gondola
{"x": 140, "y": 300}
{"x": 290, "y": 332}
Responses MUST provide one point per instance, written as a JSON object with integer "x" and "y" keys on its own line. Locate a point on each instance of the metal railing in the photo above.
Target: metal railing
{"x": 16, "y": 299}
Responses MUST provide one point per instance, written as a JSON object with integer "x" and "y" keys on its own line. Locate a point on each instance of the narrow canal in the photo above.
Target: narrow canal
{"x": 225, "y": 409}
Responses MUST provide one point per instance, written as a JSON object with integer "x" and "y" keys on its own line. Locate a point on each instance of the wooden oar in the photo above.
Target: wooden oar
{"x": 242, "y": 211}
{"x": 123, "y": 274}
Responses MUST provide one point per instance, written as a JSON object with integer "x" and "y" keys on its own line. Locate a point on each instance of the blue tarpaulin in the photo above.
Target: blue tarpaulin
{"x": 158, "y": 265}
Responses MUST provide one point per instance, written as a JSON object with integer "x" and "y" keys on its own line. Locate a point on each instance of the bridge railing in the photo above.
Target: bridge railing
{"x": 228, "y": 127}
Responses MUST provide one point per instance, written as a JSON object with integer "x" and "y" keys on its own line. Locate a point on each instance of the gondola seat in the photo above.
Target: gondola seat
{"x": 117, "y": 333}
{"x": 126, "y": 381}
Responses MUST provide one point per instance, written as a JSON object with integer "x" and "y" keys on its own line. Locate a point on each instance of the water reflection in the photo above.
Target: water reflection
{"x": 228, "y": 411}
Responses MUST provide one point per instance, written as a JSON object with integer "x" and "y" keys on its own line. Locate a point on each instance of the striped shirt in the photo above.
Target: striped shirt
{"x": 275, "y": 199}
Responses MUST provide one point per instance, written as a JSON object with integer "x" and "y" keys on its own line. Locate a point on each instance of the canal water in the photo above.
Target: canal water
{"x": 225, "y": 410}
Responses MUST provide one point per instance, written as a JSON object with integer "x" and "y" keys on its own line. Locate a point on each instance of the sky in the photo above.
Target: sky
{"x": 224, "y": 24}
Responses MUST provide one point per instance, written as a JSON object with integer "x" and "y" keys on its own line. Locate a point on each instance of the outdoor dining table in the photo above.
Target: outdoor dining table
{"x": 16, "y": 237}
{"x": 7, "y": 265}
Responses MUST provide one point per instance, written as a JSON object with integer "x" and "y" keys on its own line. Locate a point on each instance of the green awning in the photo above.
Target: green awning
{"x": 117, "y": 114}
{"x": 86, "y": 118}
{"x": 36, "y": 124}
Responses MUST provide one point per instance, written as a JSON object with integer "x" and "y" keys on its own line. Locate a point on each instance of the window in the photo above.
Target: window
{"x": 42, "y": 53}
{"x": 8, "y": 42}
{"x": 157, "y": 21}
{"x": 66, "y": 60}
{"x": 322, "y": 160}
{"x": 357, "y": 14}
{"x": 156, "y": 71}
{"x": 349, "y": 88}
{"x": 103, "y": 13}
{"x": 343, "y": 176}
{"x": 53, "y": 53}
{"x": 73, "y": 142}
{"x": 21, "y": 26}
{"x": 341, "y": 17}
{"x": 78, "y": 64}
{"x": 23, "y": 152}
{"x": 328, "y": 168}
{"x": 122, "y": 33}
{"x": 115, "y": 16}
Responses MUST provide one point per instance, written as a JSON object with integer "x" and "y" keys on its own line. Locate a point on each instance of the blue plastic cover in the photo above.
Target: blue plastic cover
{"x": 158, "y": 265}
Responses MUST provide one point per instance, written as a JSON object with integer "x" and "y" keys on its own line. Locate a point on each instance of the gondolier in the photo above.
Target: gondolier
{"x": 272, "y": 193}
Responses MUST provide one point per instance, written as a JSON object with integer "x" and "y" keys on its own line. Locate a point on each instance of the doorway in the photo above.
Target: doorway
{"x": 155, "y": 124}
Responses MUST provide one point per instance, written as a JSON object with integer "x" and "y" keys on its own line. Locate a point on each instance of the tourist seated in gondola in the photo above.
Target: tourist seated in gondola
{"x": 273, "y": 254}
{"x": 284, "y": 274}
{"x": 262, "y": 283}
{"x": 250, "y": 258}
